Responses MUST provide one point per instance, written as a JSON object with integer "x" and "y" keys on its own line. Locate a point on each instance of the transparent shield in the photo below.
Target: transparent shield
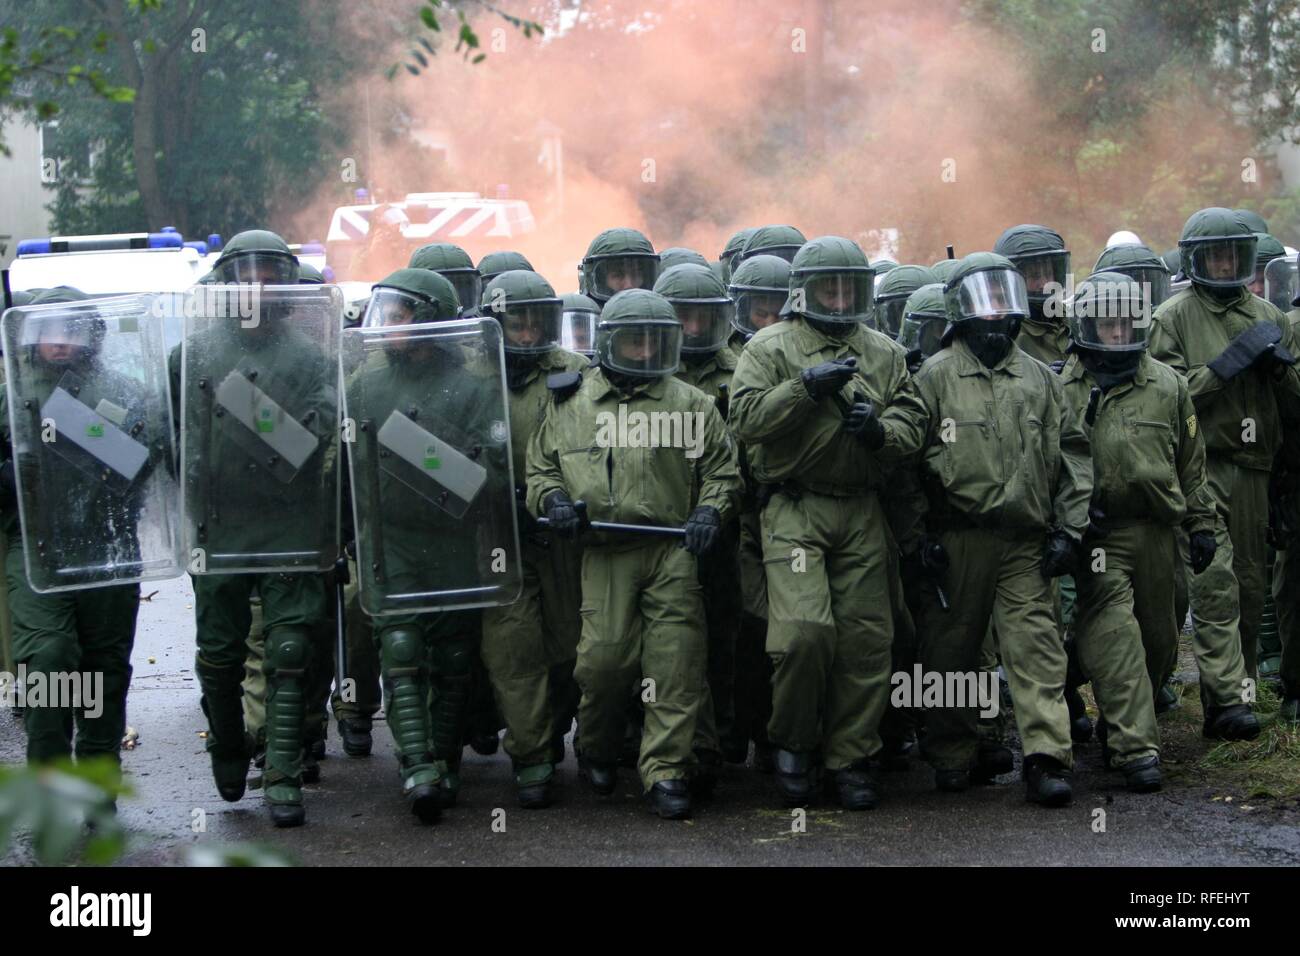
{"x": 430, "y": 467}
{"x": 91, "y": 418}
{"x": 1280, "y": 283}
{"x": 705, "y": 325}
{"x": 578, "y": 332}
{"x": 1043, "y": 272}
{"x": 259, "y": 428}
{"x": 1153, "y": 281}
{"x": 991, "y": 294}
{"x": 889, "y": 314}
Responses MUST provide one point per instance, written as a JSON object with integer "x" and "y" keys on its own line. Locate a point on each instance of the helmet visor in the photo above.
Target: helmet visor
{"x": 578, "y": 332}
{"x": 889, "y": 314}
{"x": 1110, "y": 318}
{"x": 389, "y": 307}
{"x": 757, "y": 310}
{"x": 1041, "y": 271}
{"x": 705, "y": 325}
{"x": 618, "y": 273}
{"x": 1280, "y": 283}
{"x": 1222, "y": 263}
{"x": 992, "y": 294}
{"x": 643, "y": 350}
{"x": 844, "y": 297}
{"x": 531, "y": 328}
{"x": 468, "y": 285}
{"x": 922, "y": 332}
{"x": 259, "y": 268}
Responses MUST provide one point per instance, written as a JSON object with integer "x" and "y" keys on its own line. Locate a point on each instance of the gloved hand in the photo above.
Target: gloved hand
{"x": 561, "y": 515}
{"x": 927, "y": 562}
{"x": 702, "y": 529}
{"x": 1060, "y": 556}
{"x": 862, "y": 423}
{"x": 1201, "y": 550}
{"x": 1261, "y": 341}
{"x": 1057, "y": 366}
{"x": 828, "y": 377}
{"x": 1097, "y": 525}
{"x": 8, "y": 487}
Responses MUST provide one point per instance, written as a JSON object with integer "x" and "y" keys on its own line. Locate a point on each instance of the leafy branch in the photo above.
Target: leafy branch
{"x": 467, "y": 39}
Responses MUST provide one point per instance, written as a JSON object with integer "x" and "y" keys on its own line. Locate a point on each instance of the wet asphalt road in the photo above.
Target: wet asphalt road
{"x": 356, "y": 815}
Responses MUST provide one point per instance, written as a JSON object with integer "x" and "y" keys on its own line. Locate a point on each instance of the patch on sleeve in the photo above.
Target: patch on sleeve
{"x": 1191, "y": 426}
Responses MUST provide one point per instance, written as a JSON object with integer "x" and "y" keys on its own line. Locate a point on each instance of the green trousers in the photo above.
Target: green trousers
{"x": 752, "y": 702}
{"x": 88, "y": 632}
{"x": 1286, "y": 595}
{"x": 1125, "y": 633}
{"x": 996, "y": 577}
{"x": 363, "y": 660}
{"x": 1228, "y": 597}
{"x": 830, "y": 624}
{"x": 642, "y": 631}
{"x": 524, "y": 642}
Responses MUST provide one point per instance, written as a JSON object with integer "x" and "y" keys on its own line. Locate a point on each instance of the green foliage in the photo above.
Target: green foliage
{"x": 66, "y": 809}
{"x": 467, "y": 39}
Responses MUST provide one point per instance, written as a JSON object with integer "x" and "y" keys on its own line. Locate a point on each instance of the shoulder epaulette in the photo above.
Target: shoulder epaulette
{"x": 563, "y": 385}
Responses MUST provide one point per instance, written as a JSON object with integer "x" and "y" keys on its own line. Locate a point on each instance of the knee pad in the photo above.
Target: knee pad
{"x": 401, "y": 651}
{"x": 288, "y": 650}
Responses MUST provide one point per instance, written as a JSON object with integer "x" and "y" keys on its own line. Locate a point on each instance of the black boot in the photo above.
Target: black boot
{"x": 670, "y": 799}
{"x": 603, "y": 777}
{"x": 1142, "y": 775}
{"x": 534, "y": 785}
{"x": 1234, "y": 722}
{"x": 228, "y": 745}
{"x": 355, "y": 733}
{"x": 310, "y": 765}
{"x": 854, "y": 786}
{"x": 1080, "y": 723}
{"x": 794, "y": 777}
{"x": 993, "y": 760}
{"x": 1047, "y": 781}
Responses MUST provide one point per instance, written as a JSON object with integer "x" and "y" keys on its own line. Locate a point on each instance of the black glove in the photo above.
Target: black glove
{"x": 1057, "y": 366}
{"x": 1201, "y": 550}
{"x": 8, "y": 487}
{"x": 702, "y": 529}
{"x": 561, "y": 516}
{"x": 862, "y": 423}
{"x": 1261, "y": 341}
{"x": 1097, "y": 524}
{"x": 1060, "y": 556}
{"x": 829, "y": 377}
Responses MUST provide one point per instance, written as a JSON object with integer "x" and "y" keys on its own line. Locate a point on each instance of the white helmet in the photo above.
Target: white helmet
{"x": 1123, "y": 238}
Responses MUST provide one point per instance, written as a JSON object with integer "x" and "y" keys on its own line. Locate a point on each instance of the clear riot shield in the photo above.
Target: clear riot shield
{"x": 259, "y": 428}
{"x": 91, "y": 419}
{"x": 428, "y": 445}
{"x": 1280, "y": 284}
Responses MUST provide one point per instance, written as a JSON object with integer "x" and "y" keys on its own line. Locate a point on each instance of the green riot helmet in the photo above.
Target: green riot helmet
{"x": 1140, "y": 264}
{"x": 17, "y": 298}
{"x": 1174, "y": 263}
{"x": 892, "y": 291}
{"x": 1040, "y": 256}
{"x": 1217, "y": 249}
{"x": 308, "y": 274}
{"x": 730, "y": 253}
{"x": 616, "y": 260}
{"x": 702, "y": 306}
{"x": 986, "y": 294}
{"x": 528, "y": 310}
{"x": 411, "y": 297}
{"x": 1280, "y": 283}
{"x": 831, "y": 282}
{"x": 495, "y": 263}
{"x": 256, "y": 257}
{"x": 783, "y": 241}
{"x": 1110, "y": 318}
{"x": 578, "y": 323}
{"x": 944, "y": 268}
{"x": 453, "y": 264}
{"x": 638, "y": 335}
{"x": 924, "y": 319}
{"x": 679, "y": 255}
{"x": 1267, "y": 249}
{"x": 719, "y": 269}
{"x": 759, "y": 287}
{"x": 1253, "y": 220}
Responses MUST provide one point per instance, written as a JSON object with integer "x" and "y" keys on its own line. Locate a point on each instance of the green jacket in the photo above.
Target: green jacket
{"x": 528, "y": 403}
{"x": 1004, "y": 448}
{"x": 789, "y": 436}
{"x": 1188, "y": 331}
{"x": 1044, "y": 341}
{"x": 713, "y": 372}
{"x": 1148, "y": 456}
{"x": 582, "y": 450}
